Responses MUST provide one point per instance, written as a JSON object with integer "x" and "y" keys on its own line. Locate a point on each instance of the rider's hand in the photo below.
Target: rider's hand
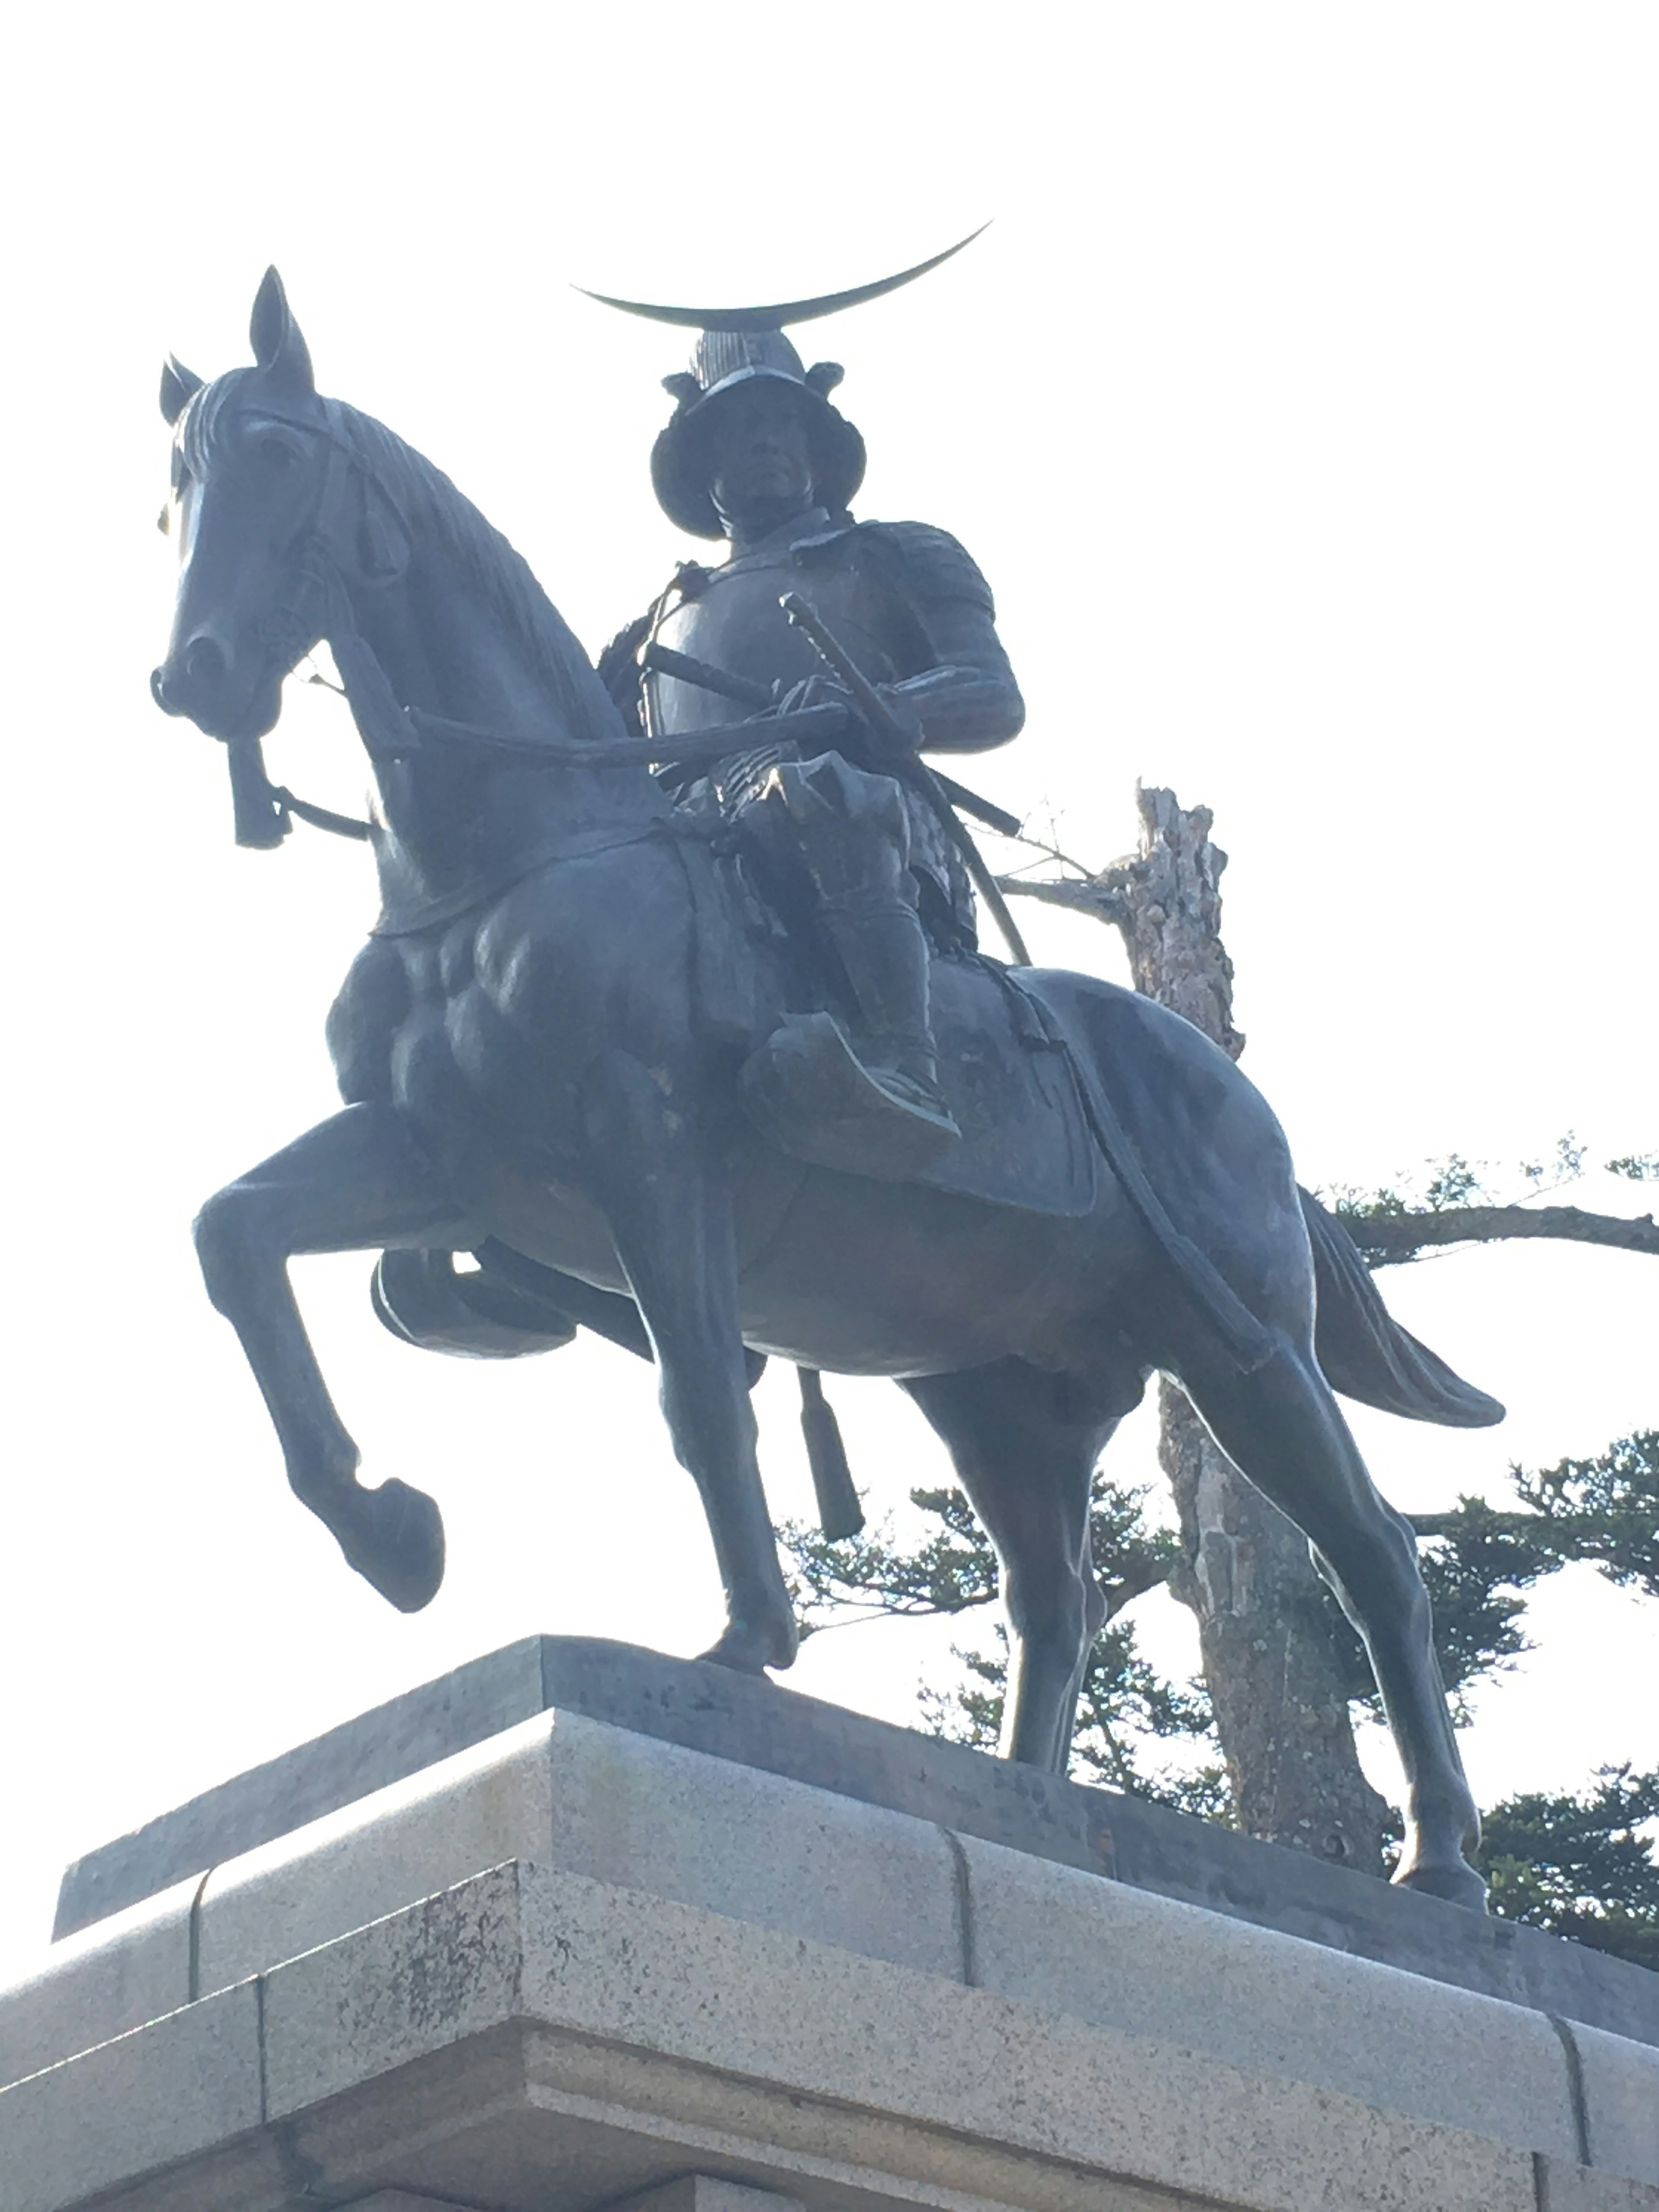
{"x": 810, "y": 691}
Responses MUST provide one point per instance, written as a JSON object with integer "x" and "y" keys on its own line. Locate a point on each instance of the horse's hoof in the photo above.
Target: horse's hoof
{"x": 1456, "y": 1882}
{"x": 403, "y": 1552}
{"x": 750, "y": 1647}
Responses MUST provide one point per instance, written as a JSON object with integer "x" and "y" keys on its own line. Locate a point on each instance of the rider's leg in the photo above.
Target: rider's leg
{"x": 850, "y": 830}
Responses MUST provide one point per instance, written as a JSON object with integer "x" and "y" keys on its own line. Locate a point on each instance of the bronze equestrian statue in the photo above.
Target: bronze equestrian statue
{"x": 543, "y": 1051}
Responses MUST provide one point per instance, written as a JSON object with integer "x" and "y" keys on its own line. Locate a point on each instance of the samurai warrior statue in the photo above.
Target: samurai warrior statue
{"x": 756, "y": 455}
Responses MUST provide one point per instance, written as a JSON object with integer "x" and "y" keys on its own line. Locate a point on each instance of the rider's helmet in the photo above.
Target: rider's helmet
{"x": 736, "y": 345}
{"x": 725, "y": 362}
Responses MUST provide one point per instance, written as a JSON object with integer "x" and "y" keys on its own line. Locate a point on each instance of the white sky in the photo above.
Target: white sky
{"x": 1301, "y": 407}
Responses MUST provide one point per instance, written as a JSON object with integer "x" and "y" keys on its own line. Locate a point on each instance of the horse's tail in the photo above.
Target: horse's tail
{"x": 1363, "y": 1350}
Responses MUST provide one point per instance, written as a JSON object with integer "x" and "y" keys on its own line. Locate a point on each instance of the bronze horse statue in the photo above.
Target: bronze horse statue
{"x": 539, "y": 1049}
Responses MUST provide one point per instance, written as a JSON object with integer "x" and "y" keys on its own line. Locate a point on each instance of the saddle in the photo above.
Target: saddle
{"x": 1004, "y": 1067}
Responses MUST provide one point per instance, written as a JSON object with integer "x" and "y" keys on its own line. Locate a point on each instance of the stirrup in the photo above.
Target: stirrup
{"x": 807, "y": 1092}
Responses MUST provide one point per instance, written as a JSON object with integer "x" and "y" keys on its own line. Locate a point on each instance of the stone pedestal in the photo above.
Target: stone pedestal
{"x": 566, "y": 1962}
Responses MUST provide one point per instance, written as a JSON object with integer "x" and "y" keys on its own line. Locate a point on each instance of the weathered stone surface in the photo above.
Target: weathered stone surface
{"x": 707, "y": 2192}
{"x": 408, "y": 1841}
{"x": 760, "y": 1726}
{"x": 393, "y": 1741}
{"x": 399, "y": 2200}
{"x": 1564, "y": 2188}
{"x": 179, "y": 2086}
{"x": 807, "y": 2053}
{"x": 128, "y": 1970}
{"x": 543, "y": 2041}
{"x": 572, "y": 1793}
{"x": 1622, "y": 2103}
{"x": 1059, "y": 1940}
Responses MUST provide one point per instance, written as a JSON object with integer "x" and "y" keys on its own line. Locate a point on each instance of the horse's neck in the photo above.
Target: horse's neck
{"x": 454, "y": 812}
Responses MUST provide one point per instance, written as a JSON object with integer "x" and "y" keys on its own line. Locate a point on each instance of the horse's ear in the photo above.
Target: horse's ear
{"x": 179, "y": 385}
{"x": 279, "y": 348}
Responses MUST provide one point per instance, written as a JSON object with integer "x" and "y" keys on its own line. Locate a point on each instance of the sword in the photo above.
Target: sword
{"x": 902, "y": 761}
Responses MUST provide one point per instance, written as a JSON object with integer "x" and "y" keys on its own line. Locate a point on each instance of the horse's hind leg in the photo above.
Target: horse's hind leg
{"x": 1025, "y": 1443}
{"x": 354, "y": 1182}
{"x": 1282, "y": 1426}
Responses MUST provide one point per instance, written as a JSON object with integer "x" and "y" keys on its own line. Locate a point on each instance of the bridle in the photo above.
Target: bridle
{"x": 317, "y": 606}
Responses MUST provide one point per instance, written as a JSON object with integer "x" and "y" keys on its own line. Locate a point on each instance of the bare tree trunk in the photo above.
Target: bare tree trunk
{"x": 1269, "y": 1658}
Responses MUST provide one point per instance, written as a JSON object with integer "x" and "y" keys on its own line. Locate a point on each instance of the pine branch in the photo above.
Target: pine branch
{"x": 1387, "y": 1238}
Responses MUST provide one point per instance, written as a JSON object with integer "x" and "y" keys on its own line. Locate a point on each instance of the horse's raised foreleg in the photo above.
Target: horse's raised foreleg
{"x": 1284, "y": 1428}
{"x": 1025, "y": 1443}
{"x": 356, "y": 1182}
{"x": 668, "y": 1206}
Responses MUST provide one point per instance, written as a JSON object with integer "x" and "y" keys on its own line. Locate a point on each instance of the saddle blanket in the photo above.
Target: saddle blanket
{"x": 1004, "y": 1070}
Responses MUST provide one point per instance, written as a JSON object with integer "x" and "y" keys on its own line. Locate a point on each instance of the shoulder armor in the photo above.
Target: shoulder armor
{"x": 928, "y": 565}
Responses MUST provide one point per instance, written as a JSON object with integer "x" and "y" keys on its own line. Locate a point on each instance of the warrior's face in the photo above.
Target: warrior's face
{"x": 759, "y": 457}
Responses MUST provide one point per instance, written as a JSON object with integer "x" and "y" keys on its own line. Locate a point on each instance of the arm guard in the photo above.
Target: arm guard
{"x": 959, "y": 683}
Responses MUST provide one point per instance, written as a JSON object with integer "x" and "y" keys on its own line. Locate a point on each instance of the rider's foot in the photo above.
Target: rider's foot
{"x": 808, "y": 1093}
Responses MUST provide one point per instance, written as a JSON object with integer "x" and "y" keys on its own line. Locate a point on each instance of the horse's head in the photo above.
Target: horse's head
{"x": 255, "y": 462}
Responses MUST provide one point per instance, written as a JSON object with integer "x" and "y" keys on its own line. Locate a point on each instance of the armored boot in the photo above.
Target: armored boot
{"x": 868, "y": 1102}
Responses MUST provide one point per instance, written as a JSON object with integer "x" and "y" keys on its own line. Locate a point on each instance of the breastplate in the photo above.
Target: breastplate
{"x": 737, "y": 624}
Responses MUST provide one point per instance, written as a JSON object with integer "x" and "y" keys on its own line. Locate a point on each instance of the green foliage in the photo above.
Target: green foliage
{"x": 1442, "y": 1184}
{"x": 1635, "y": 1167}
{"x": 1581, "y": 1866}
{"x": 862, "y": 1576}
{"x": 1453, "y": 1183}
{"x": 1476, "y": 1561}
{"x": 1566, "y": 1165}
{"x": 1446, "y": 1186}
{"x": 1605, "y": 1510}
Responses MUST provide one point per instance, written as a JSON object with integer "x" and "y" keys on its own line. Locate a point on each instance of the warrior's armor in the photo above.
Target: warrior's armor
{"x": 915, "y": 617}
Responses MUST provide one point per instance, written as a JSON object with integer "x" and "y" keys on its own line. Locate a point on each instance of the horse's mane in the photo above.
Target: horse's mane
{"x": 435, "y": 509}
{"x": 437, "y": 512}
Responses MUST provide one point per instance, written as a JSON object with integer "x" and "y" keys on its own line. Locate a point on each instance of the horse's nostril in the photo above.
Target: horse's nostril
{"x": 204, "y": 662}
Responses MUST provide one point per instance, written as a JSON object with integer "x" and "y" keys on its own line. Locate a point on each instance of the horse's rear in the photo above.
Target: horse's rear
{"x": 1026, "y": 1429}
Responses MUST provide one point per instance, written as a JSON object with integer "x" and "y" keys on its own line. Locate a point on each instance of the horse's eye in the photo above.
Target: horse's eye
{"x": 276, "y": 453}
